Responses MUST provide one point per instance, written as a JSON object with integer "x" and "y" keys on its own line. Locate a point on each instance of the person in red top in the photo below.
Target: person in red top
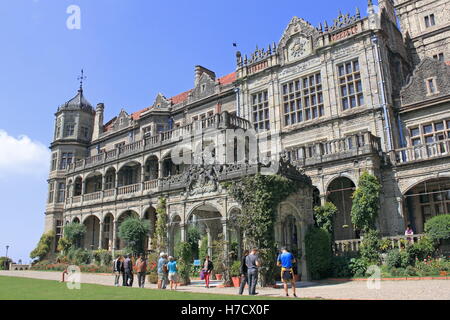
{"x": 141, "y": 269}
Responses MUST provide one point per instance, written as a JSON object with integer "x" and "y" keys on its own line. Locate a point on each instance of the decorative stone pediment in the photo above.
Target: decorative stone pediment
{"x": 201, "y": 179}
{"x": 123, "y": 120}
{"x": 161, "y": 102}
{"x": 205, "y": 87}
{"x": 298, "y": 40}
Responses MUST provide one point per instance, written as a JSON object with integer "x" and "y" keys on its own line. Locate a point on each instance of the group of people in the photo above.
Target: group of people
{"x": 250, "y": 264}
{"x": 123, "y": 266}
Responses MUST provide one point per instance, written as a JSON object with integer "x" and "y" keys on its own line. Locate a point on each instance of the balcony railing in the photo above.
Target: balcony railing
{"x": 354, "y": 145}
{"x": 151, "y": 185}
{"x": 421, "y": 152}
{"x": 222, "y": 121}
{"x": 129, "y": 189}
{"x": 353, "y": 245}
{"x": 92, "y": 196}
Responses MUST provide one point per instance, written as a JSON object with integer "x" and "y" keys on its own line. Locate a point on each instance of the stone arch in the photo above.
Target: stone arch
{"x": 151, "y": 167}
{"x": 108, "y": 231}
{"x": 78, "y": 186}
{"x": 129, "y": 173}
{"x": 149, "y": 214}
{"x": 92, "y": 236}
{"x": 76, "y": 220}
{"x": 339, "y": 192}
{"x": 93, "y": 182}
{"x": 341, "y": 175}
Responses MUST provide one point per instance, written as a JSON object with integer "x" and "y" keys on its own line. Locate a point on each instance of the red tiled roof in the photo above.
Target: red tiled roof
{"x": 180, "y": 97}
{"x": 230, "y": 78}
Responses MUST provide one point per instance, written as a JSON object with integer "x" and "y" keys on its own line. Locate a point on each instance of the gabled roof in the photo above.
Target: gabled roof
{"x": 78, "y": 102}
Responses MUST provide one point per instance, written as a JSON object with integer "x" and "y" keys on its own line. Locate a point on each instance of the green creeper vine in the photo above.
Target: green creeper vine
{"x": 259, "y": 196}
{"x": 366, "y": 203}
{"x": 161, "y": 225}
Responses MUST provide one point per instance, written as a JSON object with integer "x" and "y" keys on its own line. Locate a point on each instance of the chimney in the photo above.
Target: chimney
{"x": 98, "y": 121}
{"x": 199, "y": 70}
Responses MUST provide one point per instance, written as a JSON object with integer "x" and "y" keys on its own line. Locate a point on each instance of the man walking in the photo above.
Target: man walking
{"x": 252, "y": 263}
{"x": 286, "y": 261}
{"x": 243, "y": 272}
{"x": 141, "y": 269}
{"x": 117, "y": 269}
{"x": 162, "y": 271}
{"x": 128, "y": 270}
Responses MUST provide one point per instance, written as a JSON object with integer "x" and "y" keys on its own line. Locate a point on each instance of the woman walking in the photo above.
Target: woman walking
{"x": 207, "y": 269}
{"x": 172, "y": 267}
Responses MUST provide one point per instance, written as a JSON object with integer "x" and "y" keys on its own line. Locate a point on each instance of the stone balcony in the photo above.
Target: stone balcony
{"x": 216, "y": 122}
{"x": 349, "y": 147}
{"x": 421, "y": 152}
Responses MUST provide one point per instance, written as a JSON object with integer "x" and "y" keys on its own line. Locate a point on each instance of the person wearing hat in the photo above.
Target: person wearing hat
{"x": 286, "y": 261}
{"x": 162, "y": 271}
{"x": 173, "y": 270}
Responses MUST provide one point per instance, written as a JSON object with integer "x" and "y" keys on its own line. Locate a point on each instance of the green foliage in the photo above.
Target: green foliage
{"x": 184, "y": 253}
{"x": 318, "y": 252}
{"x": 203, "y": 251}
{"x": 193, "y": 237}
{"x": 43, "y": 247}
{"x": 64, "y": 244}
{"x": 370, "y": 247}
{"x": 102, "y": 257}
{"x": 397, "y": 259}
{"x": 422, "y": 249}
{"x": 365, "y": 205}
{"x": 133, "y": 231}
{"x": 74, "y": 233}
{"x": 324, "y": 216}
{"x": 340, "y": 267}
{"x": 161, "y": 225}
{"x": 438, "y": 227}
{"x": 4, "y": 263}
{"x": 259, "y": 196}
{"x": 235, "y": 269}
{"x": 358, "y": 266}
{"x": 79, "y": 256}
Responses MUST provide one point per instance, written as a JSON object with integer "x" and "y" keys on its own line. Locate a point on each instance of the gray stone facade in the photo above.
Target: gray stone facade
{"x": 339, "y": 99}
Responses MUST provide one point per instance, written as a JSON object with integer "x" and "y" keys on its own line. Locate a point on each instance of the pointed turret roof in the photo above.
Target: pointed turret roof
{"x": 78, "y": 102}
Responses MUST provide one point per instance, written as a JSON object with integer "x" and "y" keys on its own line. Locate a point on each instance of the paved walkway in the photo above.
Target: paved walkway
{"x": 390, "y": 290}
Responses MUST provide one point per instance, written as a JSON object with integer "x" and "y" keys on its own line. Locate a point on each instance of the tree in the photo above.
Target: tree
{"x": 133, "y": 231}
{"x": 365, "y": 205}
{"x": 193, "y": 237}
{"x": 183, "y": 251}
{"x": 44, "y": 246}
{"x": 438, "y": 227}
{"x": 74, "y": 233}
{"x": 318, "y": 252}
{"x": 324, "y": 216}
{"x": 161, "y": 225}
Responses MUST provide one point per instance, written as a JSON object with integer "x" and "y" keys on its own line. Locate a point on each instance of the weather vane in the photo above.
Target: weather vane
{"x": 82, "y": 77}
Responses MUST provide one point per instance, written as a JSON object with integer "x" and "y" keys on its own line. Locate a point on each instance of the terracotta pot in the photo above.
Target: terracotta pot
{"x": 444, "y": 273}
{"x": 236, "y": 281}
{"x": 219, "y": 276}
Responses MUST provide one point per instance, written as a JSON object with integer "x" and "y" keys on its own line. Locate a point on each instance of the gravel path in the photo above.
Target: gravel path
{"x": 389, "y": 290}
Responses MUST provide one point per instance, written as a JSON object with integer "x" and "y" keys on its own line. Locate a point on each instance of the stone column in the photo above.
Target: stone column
{"x": 100, "y": 236}
{"x": 208, "y": 232}
{"x": 113, "y": 225}
{"x": 305, "y": 271}
{"x": 183, "y": 232}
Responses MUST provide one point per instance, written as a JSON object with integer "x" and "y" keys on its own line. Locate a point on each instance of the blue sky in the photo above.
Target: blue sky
{"x": 130, "y": 50}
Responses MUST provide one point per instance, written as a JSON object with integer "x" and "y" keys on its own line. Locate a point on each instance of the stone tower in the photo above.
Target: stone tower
{"x": 74, "y": 123}
{"x": 425, "y": 24}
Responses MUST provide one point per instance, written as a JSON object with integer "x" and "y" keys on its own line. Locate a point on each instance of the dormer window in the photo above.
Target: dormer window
{"x": 431, "y": 86}
{"x": 429, "y": 21}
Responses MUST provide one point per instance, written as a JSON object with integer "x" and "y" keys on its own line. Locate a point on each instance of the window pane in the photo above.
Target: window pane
{"x": 415, "y": 132}
{"x": 428, "y": 129}
{"x": 439, "y": 126}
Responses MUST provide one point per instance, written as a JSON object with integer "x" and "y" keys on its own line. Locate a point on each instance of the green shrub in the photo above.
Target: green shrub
{"x": 102, "y": 257}
{"x": 340, "y": 267}
{"x": 4, "y": 263}
{"x": 203, "y": 251}
{"x": 421, "y": 250}
{"x": 64, "y": 244}
{"x": 398, "y": 259}
{"x": 365, "y": 205}
{"x": 79, "y": 256}
{"x": 370, "y": 247}
{"x": 74, "y": 233}
{"x": 438, "y": 227}
{"x": 318, "y": 252}
{"x": 235, "y": 270}
{"x": 43, "y": 247}
{"x": 184, "y": 262}
{"x": 324, "y": 216}
{"x": 133, "y": 231}
{"x": 358, "y": 266}
{"x": 193, "y": 236}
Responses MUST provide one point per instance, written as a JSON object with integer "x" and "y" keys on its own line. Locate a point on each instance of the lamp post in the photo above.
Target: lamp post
{"x": 7, "y": 247}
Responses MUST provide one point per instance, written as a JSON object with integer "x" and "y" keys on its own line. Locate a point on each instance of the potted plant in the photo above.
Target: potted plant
{"x": 235, "y": 274}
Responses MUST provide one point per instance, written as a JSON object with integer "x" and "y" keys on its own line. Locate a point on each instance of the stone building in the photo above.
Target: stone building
{"x": 364, "y": 93}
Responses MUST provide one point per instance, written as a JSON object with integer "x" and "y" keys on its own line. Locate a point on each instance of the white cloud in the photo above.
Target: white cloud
{"x": 22, "y": 156}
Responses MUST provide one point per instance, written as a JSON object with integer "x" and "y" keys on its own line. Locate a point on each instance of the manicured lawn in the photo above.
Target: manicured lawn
{"x": 12, "y": 288}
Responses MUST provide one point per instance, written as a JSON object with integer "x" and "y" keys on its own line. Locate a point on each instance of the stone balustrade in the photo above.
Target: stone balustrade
{"x": 129, "y": 189}
{"x": 151, "y": 185}
{"x": 353, "y": 245}
{"x": 421, "y": 152}
{"x": 92, "y": 196}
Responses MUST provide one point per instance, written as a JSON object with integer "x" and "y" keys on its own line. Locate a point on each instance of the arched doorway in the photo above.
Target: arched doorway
{"x": 93, "y": 182}
{"x": 110, "y": 179}
{"x": 174, "y": 233}
{"x": 78, "y": 187}
{"x": 108, "y": 224}
{"x": 340, "y": 193}
{"x": 91, "y": 237}
{"x": 120, "y": 244}
{"x": 150, "y": 216}
{"x": 426, "y": 200}
{"x": 129, "y": 174}
{"x": 151, "y": 168}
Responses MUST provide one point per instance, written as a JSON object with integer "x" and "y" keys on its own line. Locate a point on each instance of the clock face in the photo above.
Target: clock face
{"x": 298, "y": 48}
